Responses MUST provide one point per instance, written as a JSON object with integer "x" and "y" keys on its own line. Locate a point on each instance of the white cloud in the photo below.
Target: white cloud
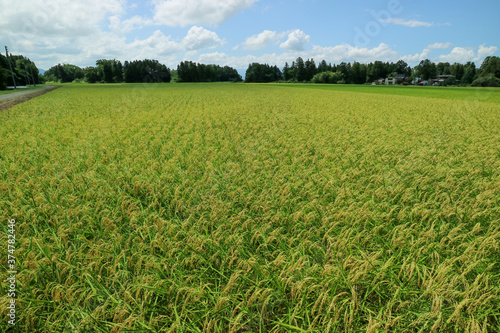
{"x": 199, "y": 38}
{"x": 296, "y": 41}
{"x": 346, "y": 52}
{"x": 157, "y": 44}
{"x": 463, "y": 55}
{"x": 185, "y": 12}
{"x": 416, "y": 58}
{"x": 484, "y": 52}
{"x": 440, "y": 45}
{"x": 261, "y": 40}
{"x": 407, "y": 23}
{"x": 38, "y": 18}
{"x": 215, "y": 57}
{"x": 64, "y": 31}
{"x": 458, "y": 54}
{"x": 109, "y": 45}
{"x": 126, "y": 26}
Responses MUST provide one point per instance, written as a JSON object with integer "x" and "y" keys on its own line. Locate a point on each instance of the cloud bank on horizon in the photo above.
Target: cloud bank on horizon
{"x": 239, "y": 32}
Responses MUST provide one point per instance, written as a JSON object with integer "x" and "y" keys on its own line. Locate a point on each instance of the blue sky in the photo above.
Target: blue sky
{"x": 238, "y": 32}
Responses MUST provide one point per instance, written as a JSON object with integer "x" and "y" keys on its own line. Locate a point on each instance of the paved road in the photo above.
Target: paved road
{"x": 22, "y": 93}
{"x": 9, "y": 100}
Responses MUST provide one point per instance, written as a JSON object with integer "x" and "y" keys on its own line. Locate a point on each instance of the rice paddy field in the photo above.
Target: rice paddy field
{"x": 253, "y": 208}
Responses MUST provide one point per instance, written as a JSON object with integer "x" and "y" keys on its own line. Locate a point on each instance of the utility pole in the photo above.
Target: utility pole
{"x": 10, "y": 66}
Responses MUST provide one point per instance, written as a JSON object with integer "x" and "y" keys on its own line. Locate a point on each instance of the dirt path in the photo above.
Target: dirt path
{"x": 9, "y": 100}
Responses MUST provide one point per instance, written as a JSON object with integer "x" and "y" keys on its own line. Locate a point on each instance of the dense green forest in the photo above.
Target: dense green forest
{"x": 188, "y": 71}
{"x": 356, "y": 73}
{"x": 113, "y": 71}
{"x": 24, "y": 71}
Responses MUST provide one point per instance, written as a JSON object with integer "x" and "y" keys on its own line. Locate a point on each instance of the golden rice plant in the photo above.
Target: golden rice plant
{"x": 254, "y": 208}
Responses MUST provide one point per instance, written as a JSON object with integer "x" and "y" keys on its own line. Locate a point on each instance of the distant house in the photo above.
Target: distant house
{"x": 390, "y": 80}
{"x": 396, "y": 79}
{"x": 444, "y": 77}
{"x": 447, "y": 79}
{"x": 440, "y": 81}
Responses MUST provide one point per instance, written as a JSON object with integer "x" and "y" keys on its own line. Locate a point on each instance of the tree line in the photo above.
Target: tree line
{"x": 138, "y": 71}
{"x": 24, "y": 71}
{"x": 188, "y": 71}
{"x": 357, "y": 73}
{"x": 111, "y": 71}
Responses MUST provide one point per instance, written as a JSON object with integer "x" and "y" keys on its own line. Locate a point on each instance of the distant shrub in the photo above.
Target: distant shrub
{"x": 451, "y": 81}
{"x": 488, "y": 80}
{"x": 328, "y": 77}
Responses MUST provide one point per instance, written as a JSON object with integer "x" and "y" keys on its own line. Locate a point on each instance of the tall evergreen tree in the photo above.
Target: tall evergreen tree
{"x": 358, "y": 73}
{"x": 188, "y": 71}
{"x": 345, "y": 69}
{"x": 322, "y": 67}
{"x": 457, "y": 70}
{"x": 299, "y": 70}
{"x": 262, "y": 73}
{"x": 310, "y": 69}
{"x": 287, "y": 72}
